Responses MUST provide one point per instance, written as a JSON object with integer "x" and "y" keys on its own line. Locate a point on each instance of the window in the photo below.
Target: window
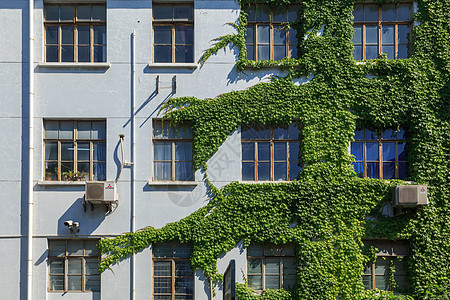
{"x": 75, "y": 150}
{"x": 268, "y": 34}
{"x": 382, "y": 29}
{"x": 271, "y": 266}
{"x": 172, "y": 152}
{"x": 390, "y": 261}
{"x": 173, "y": 277}
{"x": 73, "y": 266}
{"x": 380, "y": 154}
{"x": 270, "y": 153}
{"x": 75, "y": 33}
{"x": 173, "y": 33}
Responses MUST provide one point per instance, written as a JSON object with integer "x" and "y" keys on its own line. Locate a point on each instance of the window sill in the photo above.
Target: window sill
{"x": 172, "y": 183}
{"x": 69, "y": 65}
{"x": 60, "y": 183}
{"x": 173, "y": 65}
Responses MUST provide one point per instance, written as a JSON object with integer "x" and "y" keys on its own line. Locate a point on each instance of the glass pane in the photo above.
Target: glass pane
{"x": 99, "y": 53}
{"x": 272, "y": 282}
{"x": 371, "y": 135}
{"x": 263, "y": 171}
{"x": 371, "y": 52}
{"x": 51, "y": 54}
{"x": 294, "y": 132}
{"x": 67, "y": 13}
{"x": 280, "y": 151}
{"x": 254, "y": 266}
{"x": 99, "y": 35}
{"x": 388, "y": 151}
{"x": 294, "y": 150}
{"x": 99, "y": 171}
{"x": 84, "y": 54}
{"x": 162, "y": 268}
{"x": 279, "y": 171}
{"x": 402, "y": 51}
{"x": 359, "y": 134}
{"x": 255, "y": 282}
{"x": 263, "y": 133}
{"x": 371, "y": 34}
{"x": 280, "y": 133}
{"x": 357, "y": 151}
{"x": 294, "y": 170}
{"x": 99, "y": 151}
{"x": 162, "y": 285}
{"x": 370, "y": 13}
{"x": 51, "y": 151}
{"x": 183, "y": 171}
{"x": 359, "y": 169}
{"x": 255, "y": 250}
{"x": 358, "y": 13}
{"x": 74, "y": 283}
{"x": 181, "y": 251}
{"x": 358, "y": 53}
{"x": 289, "y": 263}
{"x": 272, "y": 266}
{"x": 401, "y": 151}
{"x": 74, "y": 266}
{"x": 250, "y": 35}
{"x": 67, "y": 54}
{"x": 372, "y": 151}
{"x": 84, "y": 169}
{"x": 66, "y": 129}
{"x": 263, "y": 53}
{"x": 382, "y": 282}
{"x": 183, "y": 12}
{"x": 51, "y": 171}
{"x": 289, "y": 281}
{"x": 248, "y": 133}
{"x": 52, "y": 13}
{"x": 262, "y": 13}
{"x": 83, "y": 151}
{"x": 293, "y": 51}
{"x": 184, "y": 35}
{"x": 390, "y": 51}
{"x": 403, "y": 12}
{"x": 84, "y": 12}
{"x": 162, "y": 12}
{"x": 248, "y": 151}
{"x": 91, "y": 248}
{"x": 162, "y": 54}
{"x": 388, "y": 170}
{"x": 51, "y": 36}
{"x": 357, "y": 36}
{"x": 183, "y": 268}
{"x": 263, "y": 151}
{"x": 163, "y": 170}
{"x": 67, "y": 151}
{"x": 402, "y": 170}
{"x": 98, "y": 13}
{"x": 65, "y": 168}
{"x": 279, "y": 52}
{"x": 162, "y": 151}
{"x": 57, "y": 282}
{"x": 248, "y": 171}
{"x": 67, "y": 34}
{"x": 403, "y": 34}
{"x": 402, "y": 283}
{"x": 263, "y": 34}
{"x": 162, "y": 250}
{"x": 184, "y": 54}
{"x": 250, "y": 10}
{"x": 280, "y": 14}
{"x": 388, "y": 13}
{"x": 389, "y": 134}
{"x": 279, "y": 35}
{"x": 250, "y": 52}
{"x": 373, "y": 170}
{"x": 381, "y": 266}
{"x": 93, "y": 283}
{"x": 74, "y": 247}
{"x": 293, "y": 36}
{"x": 387, "y": 35}
{"x": 184, "y": 285}
{"x": 183, "y": 151}
{"x": 99, "y": 130}
{"x": 91, "y": 266}
{"x": 84, "y": 35}
{"x": 162, "y": 34}
{"x": 293, "y": 13}
{"x": 57, "y": 267}
{"x": 367, "y": 281}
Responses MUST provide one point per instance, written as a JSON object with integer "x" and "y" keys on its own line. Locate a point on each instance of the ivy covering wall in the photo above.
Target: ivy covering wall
{"x": 328, "y": 204}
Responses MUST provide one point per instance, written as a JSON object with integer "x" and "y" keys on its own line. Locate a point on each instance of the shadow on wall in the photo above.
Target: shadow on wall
{"x": 89, "y": 220}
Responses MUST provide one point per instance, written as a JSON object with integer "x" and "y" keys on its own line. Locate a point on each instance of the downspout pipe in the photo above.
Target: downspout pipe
{"x": 30, "y": 151}
{"x": 133, "y": 160}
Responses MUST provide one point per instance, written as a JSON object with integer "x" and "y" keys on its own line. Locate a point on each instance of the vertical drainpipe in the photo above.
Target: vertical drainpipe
{"x": 133, "y": 161}
{"x": 30, "y": 152}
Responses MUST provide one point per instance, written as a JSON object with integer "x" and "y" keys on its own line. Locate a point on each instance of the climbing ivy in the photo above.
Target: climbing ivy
{"x": 327, "y": 210}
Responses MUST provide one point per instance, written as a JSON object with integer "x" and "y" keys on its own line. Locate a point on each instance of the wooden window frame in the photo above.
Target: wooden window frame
{"x": 75, "y": 140}
{"x": 271, "y": 25}
{"x": 173, "y": 277}
{"x": 380, "y": 161}
{"x": 263, "y": 264}
{"x": 272, "y": 160}
{"x": 66, "y": 259}
{"x": 380, "y": 23}
{"x": 173, "y": 23}
{"x": 173, "y": 141}
{"x": 75, "y": 23}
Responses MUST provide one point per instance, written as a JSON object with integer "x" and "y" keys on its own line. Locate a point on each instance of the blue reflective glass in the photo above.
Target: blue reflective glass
{"x": 294, "y": 132}
{"x": 387, "y": 35}
{"x": 358, "y": 53}
{"x": 357, "y": 36}
{"x": 359, "y": 169}
{"x": 183, "y": 171}
{"x": 402, "y": 170}
{"x": 280, "y": 171}
{"x": 388, "y": 151}
{"x": 263, "y": 151}
{"x": 388, "y": 170}
{"x": 357, "y": 151}
{"x": 401, "y": 151}
{"x": 371, "y": 13}
{"x": 371, "y": 52}
{"x": 263, "y": 171}
{"x": 263, "y": 133}
{"x": 294, "y": 170}
{"x": 359, "y": 134}
{"x": 389, "y": 134}
{"x": 372, "y": 153}
{"x": 280, "y": 151}
{"x": 248, "y": 133}
{"x": 401, "y": 134}
{"x": 280, "y": 133}
{"x": 371, "y": 135}
{"x": 248, "y": 171}
{"x": 250, "y": 53}
{"x": 358, "y": 15}
{"x": 371, "y": 34}
{"x": 248, "y": 151}
{"x": 373, "y": 170}
{"x": 294, "y": 150}
{"x": 250, "y": 35}
{"x": 390, "y": 51}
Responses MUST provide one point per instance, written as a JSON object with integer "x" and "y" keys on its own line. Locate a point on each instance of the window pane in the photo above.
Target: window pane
{"x": 402, "y": 170}
{"x": 263, "y": 53}
{"x": 91, "y": 248}
{"x": 402, "y": 51}
{"x": 162, "y": 250}
{"x": 162, "y": 12}
{"x": 280, "y": 171}
{"x": 162, "y": 35}
{"x": 390, "y": 51}
{"x": 255, "y": 282}
{"x": 388, "y": 13}
{"x": 163, "y": 54}
{"x": 99, "y": 171}
{"x": 99, "y": 130}
{"x": 388, "y": 151}
{"x": 181, "y": 251}
{"x": 359, "y": 169}
{"x": 289, "y": 281}
{"x": 67, "y": 151}
{"x": 99, "y": 35}
{"x": 56, "y": 282}
{"x": 294, "y": 132}
{"x": 74, "y": 266}
{"x": 99, "y": 151}
{"x": 403, "y": 12}
{"x": 183, "y": 268}
{"x": 263, "y": 133}
{"x": 162, "y": 268}
{"x": 184, "y": 35}
{"x": 84, "y": 12}
{"x": 84, "y": 35}
{"x": 83, "y": 151}
{"x": 403, "y": 34}
{"x": 280, "y": 14}
{"x": 184, "y": 285}
{"x": 279, "y": 35}
{"x": 51, "y": 35}
{"x": 263, "y": 171}
{"x": 183, "y": 12}
{"x": 162, "y": 151}
{"x": 91, "y": 266}
{"x": 51, "y": 129}
{"x": 184, "y": 54}
{"x": 367, "y": 281}
{"x": 51, "y": 171}
{"x": 163, "y": 170}
{"x": 371, "y": 13}
{"x": 248, "y": 171}
{"x": 358, "y": 53}
{"x": 294, "y": 170}
{"x": 93, "y": 283}
{"x": 250, "y": 35}
{"x": 57, "y": 267}
{"x": 250, "y": 52}
{"x": 389, "y": 134}
{"x": 357, "y": 36}
{"x": 280, "y": 133}
{"x": 357, "y": 151}
{"x": 401, "y": 151}
{"x": 359, "y": 134}
{"x": 388, "y": 170}
{"x": 67, "y": 54}
{"x": 279, "y": 52}
{"x": 372, "y": 151}
{"x": 358, "y": 13}
{"x": 183, "y": 151}
{"x": 67, "y": 13}
{"x": 254, "y": 250}
{"x": 293, "y": 13}
{"x": 387, "y": 35}
{"x": 272, "y": 282}
{"x": 371, "y": 135}
{"x": 74, "y": 283}
{"x": 248, "y": 151}
{"x": 371, "y": 52}
{"x": 373, "y": 170}
{"x": 279, "y": 151}
{"x": 262, "y": 14}
{"x": 84, "y": 54}
{"x": 382, "y": 282}
{"x": 75, "y": 247}
{"x": 98, "y": 13}
{"x": 248, "y": 133}
{"x": 263, "y": 151}
{"x": 67, "y": 34}
{"x": 371, "y": 34}
{"x": 272, "y": 266}
{"x": 294, "y": 151}
{"x": 162, "y": 285}
{"x": 263, "y": 34}
{"x": 51, "y": 151}
{"x": 254, "y": 266}
{"x": 52, "y": 13}
{"x": 51, "y": 54}
{"x": 183, "y": 171}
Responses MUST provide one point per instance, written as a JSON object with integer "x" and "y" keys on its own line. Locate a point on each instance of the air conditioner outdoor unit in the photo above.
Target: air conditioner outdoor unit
{"x": 410, "y": 195}
{"x": 101, "y": 192}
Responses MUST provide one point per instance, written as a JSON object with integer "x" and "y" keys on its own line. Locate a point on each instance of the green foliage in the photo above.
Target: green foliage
{"x": 330, "y": 207}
